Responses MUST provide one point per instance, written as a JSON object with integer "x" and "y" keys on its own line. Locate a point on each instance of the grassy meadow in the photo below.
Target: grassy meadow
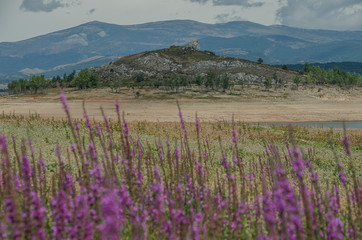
{"x": 81, "y": 179}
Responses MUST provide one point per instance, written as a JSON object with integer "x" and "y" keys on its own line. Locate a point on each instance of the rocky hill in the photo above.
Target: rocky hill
{"x": 188, "y": 61}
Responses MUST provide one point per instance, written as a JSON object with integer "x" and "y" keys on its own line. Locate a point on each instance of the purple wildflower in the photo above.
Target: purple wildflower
{"x": 83, "y": 227}
{"x": 334, "y": 227}
{"x": 3, "y": 231}
{"x": 63, "y": 100}
{"x": 68, "y": 182}
{"x": 38, "y": 215}
{"x": 112, "y": 219}
{"x": 27, "y": 171}
{"x": 196, "y": 227}
{"x": 76, "y": 125}
{"x": 269, "y": 211}
{"x": 126, "y": 129}
{"x": 234, "y": 134}
{"x": 117, "y": 107}
{"x": 298, "y": 162}
{"x": 43, "y": 169}
{"x": 12, "y": 218}
{"x": 60, "y": 212}
{"x": 237, "y": 223}
{"x": 347, "y": 144}
{"x": 182, "y": 123}
{"x": 87, "y": 122}
{"x": 197, "y": 123}
{"x": 224, "y": 162}
{"x": 92, "y": 151}
{"x": 286, "y": 204}
{"x": 341, "y": 174}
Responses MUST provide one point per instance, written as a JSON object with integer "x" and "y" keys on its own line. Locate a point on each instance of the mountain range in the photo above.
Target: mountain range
{"x": 96, "y": 43}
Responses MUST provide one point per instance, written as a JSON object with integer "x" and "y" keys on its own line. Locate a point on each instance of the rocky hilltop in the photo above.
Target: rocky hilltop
{"x": 188, "y": 61}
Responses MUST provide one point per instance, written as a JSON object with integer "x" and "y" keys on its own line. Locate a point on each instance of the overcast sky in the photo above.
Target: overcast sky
{"x": 22, "y": 19}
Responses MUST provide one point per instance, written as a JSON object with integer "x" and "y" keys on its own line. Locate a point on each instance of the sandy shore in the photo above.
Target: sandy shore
{"x": 299, "y": 107}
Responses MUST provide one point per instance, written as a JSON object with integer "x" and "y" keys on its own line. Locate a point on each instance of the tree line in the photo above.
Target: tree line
{"x": 35, "y": 84}
{"x": 319, "y": 76}
{"x": 212, "y": 80}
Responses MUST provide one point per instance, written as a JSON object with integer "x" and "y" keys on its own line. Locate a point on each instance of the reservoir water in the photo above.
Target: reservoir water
{"x": 349, "y": 125}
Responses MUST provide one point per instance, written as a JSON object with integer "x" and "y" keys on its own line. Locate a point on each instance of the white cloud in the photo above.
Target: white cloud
{"x": 45, "y": 5}
{"x": 244, "y": 3}
{"x": 322, "y": 14}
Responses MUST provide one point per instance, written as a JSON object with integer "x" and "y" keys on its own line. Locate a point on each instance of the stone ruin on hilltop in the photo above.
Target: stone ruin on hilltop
{"x": 193, "y": 45}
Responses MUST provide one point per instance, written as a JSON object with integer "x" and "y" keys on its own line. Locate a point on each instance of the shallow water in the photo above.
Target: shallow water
{"x": 349, "y": 125}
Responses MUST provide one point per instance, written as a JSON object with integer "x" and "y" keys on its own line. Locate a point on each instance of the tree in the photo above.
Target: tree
{"x": 306, "y": 67}
{"x": 34, "y": 83}
{"x": 140, "y": 77}
{"x": 93, "y": 81}
{"x": 267, "y": 82}
{"x": 24, "y": 85}
{"x": 14, "y": 87}
{"x": 225, "y": 82}
{"x": 260, "y": 61}
{"x": 69, "y": 79}
{"x": 183, "y": 81}
{"x": 277, "y": 81}
{"x": 210, "y": 78}
{"x": 296, "y": 81}
{"x": 85, "y": 79}
{"x": 198, "y": 80}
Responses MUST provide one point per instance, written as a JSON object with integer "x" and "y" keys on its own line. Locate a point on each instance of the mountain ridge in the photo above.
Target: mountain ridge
{"x": 87, "y": 40}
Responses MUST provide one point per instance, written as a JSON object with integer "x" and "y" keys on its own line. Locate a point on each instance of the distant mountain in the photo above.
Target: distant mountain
{"x": 96, "y": 43}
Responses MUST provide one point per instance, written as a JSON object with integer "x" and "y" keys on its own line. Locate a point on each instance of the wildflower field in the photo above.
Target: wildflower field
{"x": 81, "y": 179}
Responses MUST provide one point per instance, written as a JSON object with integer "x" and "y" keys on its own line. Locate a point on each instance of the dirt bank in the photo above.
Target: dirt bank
{"x": 251, "y": 105}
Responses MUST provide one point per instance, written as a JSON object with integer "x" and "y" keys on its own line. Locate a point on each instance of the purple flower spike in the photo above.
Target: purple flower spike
{"x": 343, "y": 177}
{"x": 60, "y": 213}
{"x": 87, "y": 122}
{"x": 197, "y": 123}
{"x": 341, "y": 174}
{"x": 63, "y": 100}
{"x": 182, "y": 123}
{"x": 234, "y": 134}
{"x": 38, "y": 215}
{"x": 111, "y": 212}
{"x": 298, "y": 163}
{"x": 117, "y": 106}
{"x": 335, "y": 228}
{"x": 346, "y": 144}
{"x": 3, "y": 143}
{"x": 126, "y": 129}
{"x": 76, "y": 125}
{"x": 11, "y": 218}
{"x": 27, "y": 168}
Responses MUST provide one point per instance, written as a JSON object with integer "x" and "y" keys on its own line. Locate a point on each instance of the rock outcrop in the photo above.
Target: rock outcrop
{"x": 193, "y": 45}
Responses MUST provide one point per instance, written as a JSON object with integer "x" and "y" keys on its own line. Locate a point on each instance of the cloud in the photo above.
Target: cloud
{"x": 227, "y": 17}
{"x": 45, "y": 5}
{"x": 324, "y": 14}
{"x": 244, "y": 3}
